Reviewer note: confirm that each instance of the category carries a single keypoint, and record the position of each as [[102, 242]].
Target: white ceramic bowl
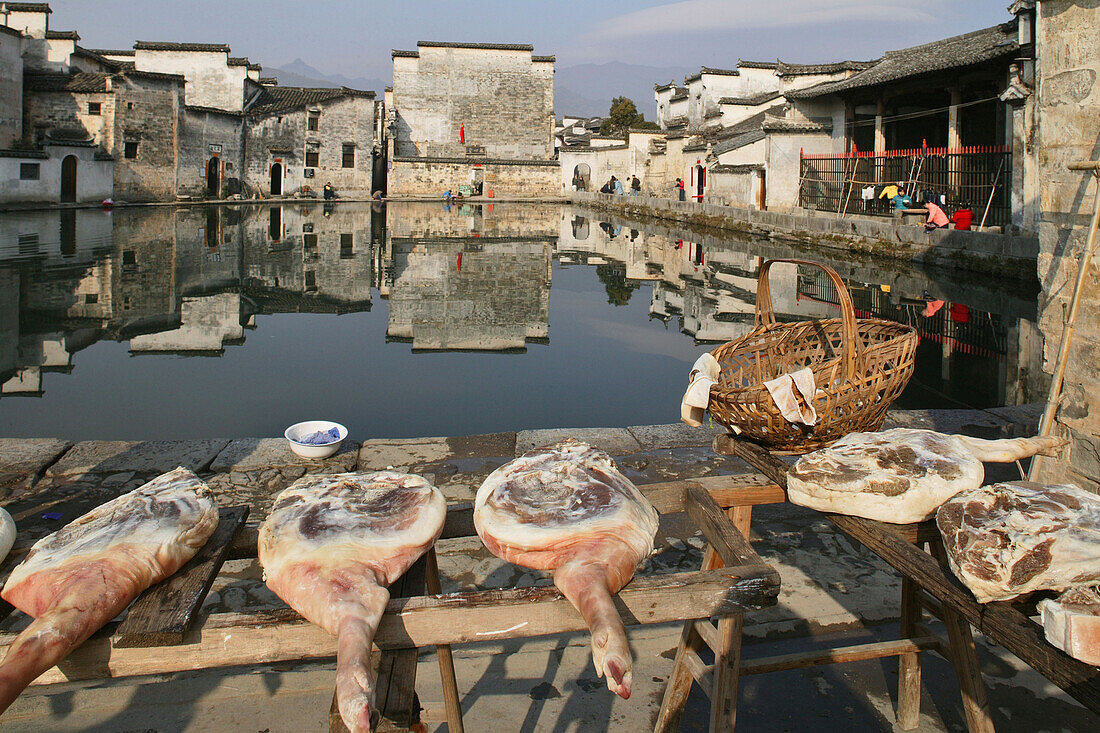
[[323, 450]]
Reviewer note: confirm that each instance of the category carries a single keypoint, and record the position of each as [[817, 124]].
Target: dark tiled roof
[[395, 53], [743, 64], [491, 46], [154, 75], [739, 141], [273, 100], [956, 52], [213, 110], [169, 46], [62, 36], [782, 124], [28, 7], [269, 80], [35, 154], [113, 51], [81, 82], [662, 87], [743, 168], [812, 69], [237, 61], [679, 94], [10, 31], [255, 67], [753, 101], [712, 70], [543, 59], [103, 155], [77, 50]]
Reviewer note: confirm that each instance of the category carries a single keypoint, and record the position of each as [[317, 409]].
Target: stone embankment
[[1005, 255], [828, 584]]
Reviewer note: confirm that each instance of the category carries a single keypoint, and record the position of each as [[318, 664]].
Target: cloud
[[693, 16]]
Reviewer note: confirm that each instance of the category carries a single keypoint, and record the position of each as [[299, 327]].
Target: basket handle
[[765, 312]]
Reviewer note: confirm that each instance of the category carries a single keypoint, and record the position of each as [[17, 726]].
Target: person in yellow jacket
[[891, 191]]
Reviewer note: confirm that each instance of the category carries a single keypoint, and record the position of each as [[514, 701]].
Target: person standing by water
[[618, 185], [680, 188], [578, 182], [635, 186]]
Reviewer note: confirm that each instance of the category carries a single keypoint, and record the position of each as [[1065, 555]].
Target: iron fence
[[980, 176]]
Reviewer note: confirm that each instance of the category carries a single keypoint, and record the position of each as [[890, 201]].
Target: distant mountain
[[300, 74], [584, 90]]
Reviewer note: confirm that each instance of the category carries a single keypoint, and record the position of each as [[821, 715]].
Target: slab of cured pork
[[1071, 622], [1004, 540], [900, 475], [77, 579], [568, 509], [331, 546]]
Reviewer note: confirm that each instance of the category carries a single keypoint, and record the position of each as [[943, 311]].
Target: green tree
[[619, 289], [623, 116]]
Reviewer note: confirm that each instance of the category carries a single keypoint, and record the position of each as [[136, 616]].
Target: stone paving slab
[[144, 458], [248, 454], [674, 435], [22, 460], [616, 441], [991, 424]]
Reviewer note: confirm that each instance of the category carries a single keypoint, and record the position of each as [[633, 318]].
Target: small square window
[[29, 171], [130, 149], [28, 244], [129, 105], [347, 246], [94, 108], [129, 257], [91, 298], [309, 241], [349, 155], [313, 156]]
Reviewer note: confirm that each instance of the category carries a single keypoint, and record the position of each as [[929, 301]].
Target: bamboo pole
[[1046, 423], [996, 178]]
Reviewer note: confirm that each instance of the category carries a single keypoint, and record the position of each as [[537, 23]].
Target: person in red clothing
[[963, 218]]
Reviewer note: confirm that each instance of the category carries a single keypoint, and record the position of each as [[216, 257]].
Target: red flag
[[462, 133]]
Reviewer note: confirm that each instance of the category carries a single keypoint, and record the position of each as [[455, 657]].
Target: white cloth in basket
[[794, 394], [704, 373]]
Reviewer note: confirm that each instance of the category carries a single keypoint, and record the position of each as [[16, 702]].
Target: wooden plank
[[679, 682], [838, 655], [443, 653], [706, 631], [720, 532], [727, 665], [700, 671], [909, 664], [998, 620], [754, 455], [395, 693], [164, 613], [230, 639]]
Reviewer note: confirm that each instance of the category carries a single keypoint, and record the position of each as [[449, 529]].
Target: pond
[[419, 319]]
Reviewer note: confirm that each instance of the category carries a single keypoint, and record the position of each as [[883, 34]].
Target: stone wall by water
[[1068, 34], [415, 177]]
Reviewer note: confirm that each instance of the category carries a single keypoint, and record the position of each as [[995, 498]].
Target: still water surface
[[417, 319]]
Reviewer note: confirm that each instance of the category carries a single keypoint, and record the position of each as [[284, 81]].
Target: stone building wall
[[205, 135], [94, 180], [64, 110], [146, 112], [505, 178], [211, 82], [416, 219], [500, 98], [1068, 34], [283, 138], [11, 88]]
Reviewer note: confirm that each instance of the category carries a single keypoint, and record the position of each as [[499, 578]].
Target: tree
[[623, 116], [619, 289]]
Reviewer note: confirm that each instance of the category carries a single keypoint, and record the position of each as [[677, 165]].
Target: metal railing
[[980, 176]]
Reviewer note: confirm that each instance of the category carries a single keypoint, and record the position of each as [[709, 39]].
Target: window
[[347, 246], [309, 241], [29, 171], [28, 244], [130, 149], [129, 105], [314, 118], [91, 298], [94, 108], [129, 257], [313, 155], [349, 155], [311, 281]]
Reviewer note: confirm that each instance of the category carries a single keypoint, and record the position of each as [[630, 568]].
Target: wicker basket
[[860, 367]]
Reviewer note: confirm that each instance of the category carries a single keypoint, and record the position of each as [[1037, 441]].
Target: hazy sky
[[354, 37]]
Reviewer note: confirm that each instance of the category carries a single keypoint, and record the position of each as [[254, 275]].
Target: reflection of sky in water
[[603, 365]]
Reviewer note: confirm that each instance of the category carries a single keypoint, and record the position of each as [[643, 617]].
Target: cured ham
[[7, 533], [1071, 622], [1004, 540], [568, 509], [900, 475], [331, 546], [77, 579]]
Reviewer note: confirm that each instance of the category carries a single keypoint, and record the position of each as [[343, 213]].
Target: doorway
[[213, 178], [68, 179], [276, 179], [700, 182]]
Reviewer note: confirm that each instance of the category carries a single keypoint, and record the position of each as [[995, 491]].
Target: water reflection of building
[[470, 277], [187, 280]]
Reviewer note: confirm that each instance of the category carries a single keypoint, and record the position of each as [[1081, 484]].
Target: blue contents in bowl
[[321, 437]]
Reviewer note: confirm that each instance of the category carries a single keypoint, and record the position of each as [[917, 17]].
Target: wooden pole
[[981, 227], [1046, 423]]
